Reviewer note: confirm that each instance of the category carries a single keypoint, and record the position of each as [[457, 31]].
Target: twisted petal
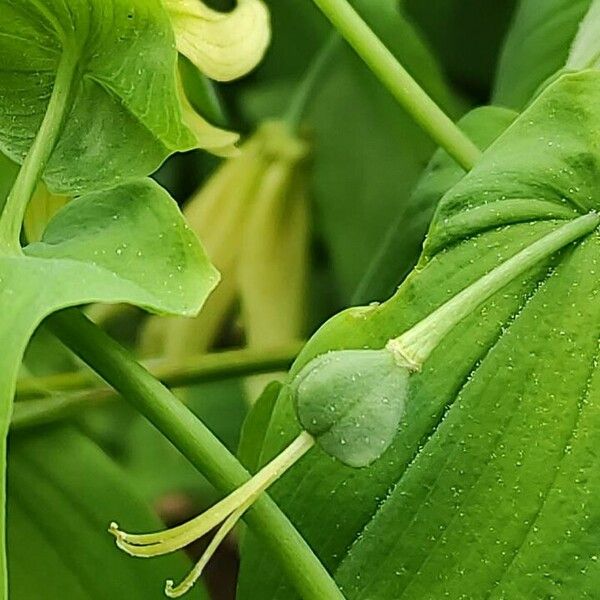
[[224, 46], [212, 139]]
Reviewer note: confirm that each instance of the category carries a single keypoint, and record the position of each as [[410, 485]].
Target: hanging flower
[[253, 218], [223, 46]]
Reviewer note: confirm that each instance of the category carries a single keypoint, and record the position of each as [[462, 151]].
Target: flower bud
[[351, 402]]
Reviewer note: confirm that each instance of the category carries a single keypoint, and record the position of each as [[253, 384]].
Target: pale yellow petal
[[217, 214], [223, 45], [273, 266], [41, 208], [219, 142]]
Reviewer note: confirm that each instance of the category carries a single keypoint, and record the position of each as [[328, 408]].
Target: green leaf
[[351, 402], [536, 47], [123, 117], [491, 488], [256, 425], [129, 244], [464, 40], [63, 494], [400, 249], [368, 152]]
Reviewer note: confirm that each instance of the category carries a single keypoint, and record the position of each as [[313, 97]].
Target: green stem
[[192, 370], [37, 158], [415, 346], [196, 442], [400, 83], [304, 91], [45, 411], [37, 408]]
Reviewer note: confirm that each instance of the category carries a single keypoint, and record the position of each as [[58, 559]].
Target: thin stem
[[415, 346], [306, 88], [192, 370], [196, 442], [400, 83], [37, 158], [46, 400], [47, 411]]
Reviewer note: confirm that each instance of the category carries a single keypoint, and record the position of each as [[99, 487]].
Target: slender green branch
[[399, 82], [192, 370], [37, 158], [50, 399], [45, 411], [196, 442]]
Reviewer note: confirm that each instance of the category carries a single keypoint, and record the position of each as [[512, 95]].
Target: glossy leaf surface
[[491, 488], [124, 116], [537, 46], [129, 244]]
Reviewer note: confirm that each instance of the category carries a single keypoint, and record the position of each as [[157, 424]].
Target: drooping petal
[[273, 266], [223, 45], [209, 137], [217, 213]]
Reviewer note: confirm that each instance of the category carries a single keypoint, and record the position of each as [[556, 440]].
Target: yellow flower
[[223, 46], [252, 216]]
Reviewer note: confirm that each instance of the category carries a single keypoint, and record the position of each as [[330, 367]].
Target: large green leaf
[[129, 244], [63, 493], [369, 153], [124, 115], [536, 47], [399, 251], [491, 489]]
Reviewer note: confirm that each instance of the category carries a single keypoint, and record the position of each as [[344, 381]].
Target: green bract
[[491, 486], [123, 116], [351, 402]]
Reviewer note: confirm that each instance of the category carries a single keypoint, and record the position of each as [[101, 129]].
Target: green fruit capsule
[[351, 402]]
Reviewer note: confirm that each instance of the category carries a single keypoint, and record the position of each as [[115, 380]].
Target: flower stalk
[[415, 346], [226, 513]]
